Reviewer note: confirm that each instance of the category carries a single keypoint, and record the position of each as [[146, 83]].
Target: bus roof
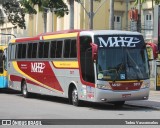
[[38, 37], [82, 32], [110, 32]]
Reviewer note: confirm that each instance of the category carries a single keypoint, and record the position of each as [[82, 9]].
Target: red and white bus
[[96, 66]]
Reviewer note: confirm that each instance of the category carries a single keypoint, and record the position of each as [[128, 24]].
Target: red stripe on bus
[[44, 75]]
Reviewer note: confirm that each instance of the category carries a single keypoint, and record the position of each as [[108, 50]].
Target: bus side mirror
[[94, 51]]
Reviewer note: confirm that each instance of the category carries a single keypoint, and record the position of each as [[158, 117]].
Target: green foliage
[[16, 14], [16, 10], [136, 1], [157, 1]]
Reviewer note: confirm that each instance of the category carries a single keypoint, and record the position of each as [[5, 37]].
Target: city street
[[14, 106]]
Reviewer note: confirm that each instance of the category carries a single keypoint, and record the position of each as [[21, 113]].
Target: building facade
[[36, 24]]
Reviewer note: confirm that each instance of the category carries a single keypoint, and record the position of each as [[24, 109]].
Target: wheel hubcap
[[74, 96], [24, 89]]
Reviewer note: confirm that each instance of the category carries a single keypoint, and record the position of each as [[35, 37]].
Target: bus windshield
[[120, 59]]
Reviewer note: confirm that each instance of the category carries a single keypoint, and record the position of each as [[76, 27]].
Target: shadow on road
[[8, 91], [96, 106]]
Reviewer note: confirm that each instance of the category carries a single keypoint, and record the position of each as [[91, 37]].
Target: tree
[[16, 10]]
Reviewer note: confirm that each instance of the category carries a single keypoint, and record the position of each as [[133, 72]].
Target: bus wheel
[[75, 100], [25, 92]]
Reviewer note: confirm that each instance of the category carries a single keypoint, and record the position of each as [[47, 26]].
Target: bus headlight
[[102, 86], [145, 85]]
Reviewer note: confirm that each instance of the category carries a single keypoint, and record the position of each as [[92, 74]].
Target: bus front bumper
[[111, 95]]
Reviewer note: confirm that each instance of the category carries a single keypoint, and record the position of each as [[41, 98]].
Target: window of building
[[117, 23], [148, 25]]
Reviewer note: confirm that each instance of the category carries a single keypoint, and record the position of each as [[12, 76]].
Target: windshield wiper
[[120, 67]]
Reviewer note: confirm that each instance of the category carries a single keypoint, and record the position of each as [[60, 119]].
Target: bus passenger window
[[67, 48], [29, 52], [46, 49], [24, 48], [73, 49], [21, 51], [59, 49], [19, 56], [70, 50], [53, 49], [34, 50], [40, 50]]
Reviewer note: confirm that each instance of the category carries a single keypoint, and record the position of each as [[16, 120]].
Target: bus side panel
[[2, 82]]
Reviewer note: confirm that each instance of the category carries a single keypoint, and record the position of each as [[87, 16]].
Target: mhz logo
[[37, 67]]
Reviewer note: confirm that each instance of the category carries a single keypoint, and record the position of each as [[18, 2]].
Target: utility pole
[[111, 19], [127, 1], [91, 14], [139, 16], [71, 14]]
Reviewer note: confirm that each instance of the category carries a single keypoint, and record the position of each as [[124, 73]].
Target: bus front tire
[[74, 96]]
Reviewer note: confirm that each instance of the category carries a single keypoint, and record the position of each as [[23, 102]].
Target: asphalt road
[[14, 106]]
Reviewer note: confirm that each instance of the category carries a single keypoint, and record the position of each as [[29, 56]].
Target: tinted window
[[56, 49], [43, 50], [40, 50], [24, 48], [59, 49], [70, 50], [53, 49], [73, 52], [67, 48], [21, 51], [32, 50], [86, 62]]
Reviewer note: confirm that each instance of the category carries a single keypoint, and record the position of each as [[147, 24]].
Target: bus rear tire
[[74, 97], [25, 92]]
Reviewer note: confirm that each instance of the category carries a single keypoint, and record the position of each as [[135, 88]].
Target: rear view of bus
[[3, 70], [121, 66]]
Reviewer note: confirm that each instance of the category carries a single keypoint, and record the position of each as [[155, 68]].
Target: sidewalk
[[152, 102]]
